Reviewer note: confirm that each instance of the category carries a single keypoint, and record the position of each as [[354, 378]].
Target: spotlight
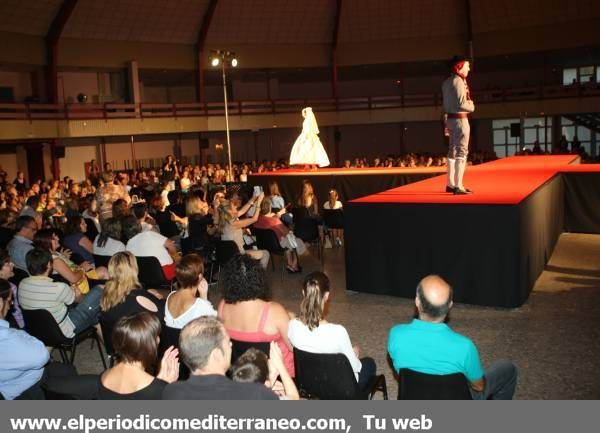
[[234, 62]]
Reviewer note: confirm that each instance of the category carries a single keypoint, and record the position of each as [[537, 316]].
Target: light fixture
[[224, 59]]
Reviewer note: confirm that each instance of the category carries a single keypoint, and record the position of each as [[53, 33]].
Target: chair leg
[[380, 385], [100, 349], [63, 355], [73, 349]]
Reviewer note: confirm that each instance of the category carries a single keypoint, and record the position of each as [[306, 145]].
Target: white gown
[[307, 148]]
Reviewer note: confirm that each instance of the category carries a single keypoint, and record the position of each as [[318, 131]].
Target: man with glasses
[[22, 242]]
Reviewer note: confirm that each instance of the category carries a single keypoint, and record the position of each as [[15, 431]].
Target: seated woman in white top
[[190, 301], [108, 242], [312, 333], [333, 203]]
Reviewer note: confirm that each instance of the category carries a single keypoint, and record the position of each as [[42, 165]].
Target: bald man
[[428, 345]]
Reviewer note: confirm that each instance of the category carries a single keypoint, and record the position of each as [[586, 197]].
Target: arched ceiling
[[259, 22]]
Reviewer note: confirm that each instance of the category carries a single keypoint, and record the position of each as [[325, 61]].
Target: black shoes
[[458, 191], [450, 188]]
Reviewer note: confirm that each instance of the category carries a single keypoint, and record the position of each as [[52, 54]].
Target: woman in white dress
[[308, 149]]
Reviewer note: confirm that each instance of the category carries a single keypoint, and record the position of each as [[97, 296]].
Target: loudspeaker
[[515, 129], [59, 152], [203, 143]]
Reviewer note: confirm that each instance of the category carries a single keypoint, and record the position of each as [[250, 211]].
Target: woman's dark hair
[[43, 238], [120, 208], [73, 224], [244, 279], [4, 290], [37, 261], [111, 228], [135, 338], [130, 226], [188, 270], [251, 367]]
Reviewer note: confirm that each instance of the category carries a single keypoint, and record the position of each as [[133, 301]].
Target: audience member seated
[[428, 345], [151, 244], [333, 203], [39, 292], [91, 210], [232, 228], [123, 294], [197, 222], [253, 366], [278, 203], [190, 300], [135, 341], [22, 242], [140, 211], [30, 209], [14, 315], [108, 242], [311, 332], [293, 245], [205, 348], [76, 240], [23, 356], [63, 268], [247, 311]]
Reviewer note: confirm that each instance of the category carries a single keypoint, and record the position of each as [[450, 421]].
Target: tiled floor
[[553, 338]]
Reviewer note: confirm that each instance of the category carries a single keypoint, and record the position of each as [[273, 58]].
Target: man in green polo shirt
[[428, 345]]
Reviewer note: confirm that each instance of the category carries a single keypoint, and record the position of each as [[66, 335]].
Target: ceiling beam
[[52, 37], [206, 21], [334, 45]]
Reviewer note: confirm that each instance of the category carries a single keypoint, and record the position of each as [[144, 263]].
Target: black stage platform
[[350, 184], [491, 254]]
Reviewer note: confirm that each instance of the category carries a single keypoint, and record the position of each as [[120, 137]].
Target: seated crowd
[[75, 250]]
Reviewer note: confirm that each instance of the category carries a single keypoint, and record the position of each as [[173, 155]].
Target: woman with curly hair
[[247, 310]]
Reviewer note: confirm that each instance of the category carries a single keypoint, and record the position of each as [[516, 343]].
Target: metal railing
[[76, 111]]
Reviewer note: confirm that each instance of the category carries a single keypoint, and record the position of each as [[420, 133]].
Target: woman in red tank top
[[247, 311]]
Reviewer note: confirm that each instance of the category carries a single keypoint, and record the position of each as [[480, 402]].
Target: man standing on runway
[[457, 105]]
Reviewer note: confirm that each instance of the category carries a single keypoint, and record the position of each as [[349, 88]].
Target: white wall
[[8, 162], [70, 84], [73, 163]]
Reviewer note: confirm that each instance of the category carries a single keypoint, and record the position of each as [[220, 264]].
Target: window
[[569, 76], [582, 74], [583, 134], [533, 129]]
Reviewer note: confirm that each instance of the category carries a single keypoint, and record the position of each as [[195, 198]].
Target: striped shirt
[[40, 292]]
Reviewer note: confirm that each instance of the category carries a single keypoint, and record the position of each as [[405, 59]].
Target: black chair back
[[334, 218], [170, 337], [266, 239], [238, 348], [150, 273], [306, 229], [225, 251], [421, 386], [41, 325], [299, 212], [101, 260], [327, 376]]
